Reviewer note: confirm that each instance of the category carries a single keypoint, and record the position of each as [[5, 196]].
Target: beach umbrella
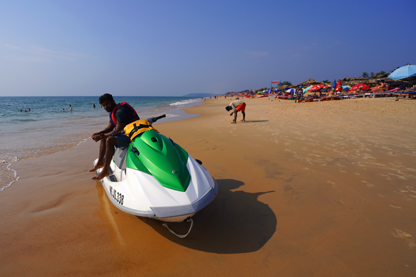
[[362, 86], [345, 87], [291, 90], [339, 86], [403, 72], [334, 84], [306, 89], [316, 87]]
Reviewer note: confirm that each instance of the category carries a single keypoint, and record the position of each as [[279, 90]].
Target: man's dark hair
[[106, 97], [228, 108]]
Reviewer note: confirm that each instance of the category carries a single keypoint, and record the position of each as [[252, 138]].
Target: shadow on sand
[[235, 222], [255, 121]]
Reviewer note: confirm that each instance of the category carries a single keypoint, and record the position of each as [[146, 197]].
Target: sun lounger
[[331, 97], [406, 95], [373, 94], [381, 93]]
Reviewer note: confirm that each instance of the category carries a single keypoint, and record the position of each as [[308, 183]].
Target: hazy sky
[[175, 47]]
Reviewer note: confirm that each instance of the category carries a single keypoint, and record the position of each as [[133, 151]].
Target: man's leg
[[235, 117], [244, 116], [100, 162], [109, 153]]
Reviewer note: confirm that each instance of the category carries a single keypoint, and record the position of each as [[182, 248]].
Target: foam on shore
[[70, 133]]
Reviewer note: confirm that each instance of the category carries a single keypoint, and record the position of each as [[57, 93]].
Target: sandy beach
[[309, 189]]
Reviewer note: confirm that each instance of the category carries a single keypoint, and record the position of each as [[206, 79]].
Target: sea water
[[31, 127]]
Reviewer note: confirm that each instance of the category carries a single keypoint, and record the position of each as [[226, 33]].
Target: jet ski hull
[[140, 194]]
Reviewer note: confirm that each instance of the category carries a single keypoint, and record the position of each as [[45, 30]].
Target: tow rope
[[180, 236]]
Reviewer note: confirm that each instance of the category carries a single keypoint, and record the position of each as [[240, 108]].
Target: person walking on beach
[[120, 115], [299, 94], [237, 106]]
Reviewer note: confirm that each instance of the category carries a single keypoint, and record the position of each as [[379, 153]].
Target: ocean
[[31, 127]]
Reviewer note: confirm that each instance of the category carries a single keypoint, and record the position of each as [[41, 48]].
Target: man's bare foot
[[103, 173], [97, 166], [233, 122], [242, 120]]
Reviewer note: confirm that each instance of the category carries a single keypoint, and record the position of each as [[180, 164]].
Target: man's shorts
[[123, 141], [241, 108]]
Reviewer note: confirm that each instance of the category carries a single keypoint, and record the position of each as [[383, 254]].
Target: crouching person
[[237, 106]]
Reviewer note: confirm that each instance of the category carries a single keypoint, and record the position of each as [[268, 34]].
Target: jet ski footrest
[[120, 157]]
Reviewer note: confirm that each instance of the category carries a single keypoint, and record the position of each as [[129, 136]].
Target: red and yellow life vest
[[112, 114]]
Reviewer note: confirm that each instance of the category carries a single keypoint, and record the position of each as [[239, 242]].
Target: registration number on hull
[[117, 196]]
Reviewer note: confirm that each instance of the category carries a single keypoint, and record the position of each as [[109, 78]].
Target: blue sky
[[172, 48]]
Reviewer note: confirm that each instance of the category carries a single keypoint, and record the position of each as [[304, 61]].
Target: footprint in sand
[[406, 236], [386, 176], [367, 184], [398, 176], [410, 188], [332, 183]]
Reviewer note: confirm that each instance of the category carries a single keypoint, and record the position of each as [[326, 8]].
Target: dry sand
[[310, 189]]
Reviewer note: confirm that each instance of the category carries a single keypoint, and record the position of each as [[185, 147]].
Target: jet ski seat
[[120, 157]]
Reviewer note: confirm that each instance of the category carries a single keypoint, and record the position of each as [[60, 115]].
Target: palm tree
[[286, 83], [365, 75], [379, 73]]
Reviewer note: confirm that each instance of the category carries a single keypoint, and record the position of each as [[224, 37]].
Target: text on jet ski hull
[[117, 196]]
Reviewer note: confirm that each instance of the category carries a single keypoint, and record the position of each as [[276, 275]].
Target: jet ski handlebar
[[156, 118], [151, 120]]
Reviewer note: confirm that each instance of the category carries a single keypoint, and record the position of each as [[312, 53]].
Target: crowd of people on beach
[[324, 92]]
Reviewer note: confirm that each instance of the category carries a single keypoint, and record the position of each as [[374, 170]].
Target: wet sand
[[309, 189]]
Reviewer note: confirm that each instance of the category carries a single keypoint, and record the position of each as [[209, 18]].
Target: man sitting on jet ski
[[120, 115]]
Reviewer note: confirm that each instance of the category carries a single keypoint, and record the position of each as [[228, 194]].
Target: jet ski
[[156, 178]]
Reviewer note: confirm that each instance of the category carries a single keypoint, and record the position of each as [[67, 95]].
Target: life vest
[[112, 114], [138, 127]]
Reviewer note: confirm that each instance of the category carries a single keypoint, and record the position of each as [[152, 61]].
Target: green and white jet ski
[[155, 177]]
